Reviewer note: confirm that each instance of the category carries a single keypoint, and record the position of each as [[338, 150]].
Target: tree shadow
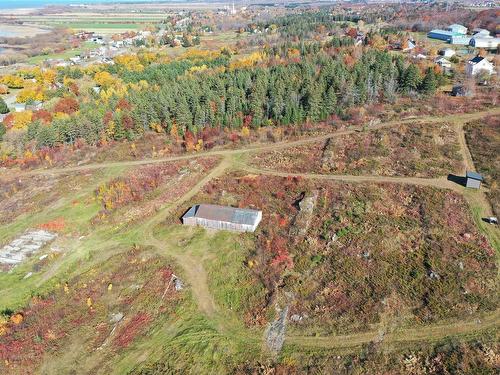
[[460, 180]]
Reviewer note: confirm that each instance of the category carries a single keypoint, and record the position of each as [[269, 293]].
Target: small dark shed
[[473, 180], [460, 90]]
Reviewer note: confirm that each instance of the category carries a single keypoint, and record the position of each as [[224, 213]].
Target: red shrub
[[131, 330], [123, 104], [8, 121], [42, 115], [67, 105]]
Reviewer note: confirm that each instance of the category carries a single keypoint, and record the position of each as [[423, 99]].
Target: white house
[[443, 63], [411, 45], [459, 29], [448, 52], [478, 64], [487, 42]]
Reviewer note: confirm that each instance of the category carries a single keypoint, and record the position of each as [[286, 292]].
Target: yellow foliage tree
[[33, 92], [129, 62], [104, 79], [21, 119], [49, 76], [12, 81], [248, 61], [156, 127], [245, 132], [199, 145]]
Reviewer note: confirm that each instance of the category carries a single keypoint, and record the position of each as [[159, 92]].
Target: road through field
[[197, 277], [456, 118]]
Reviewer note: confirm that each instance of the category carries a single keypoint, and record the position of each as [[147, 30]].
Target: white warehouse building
[[222, 217]]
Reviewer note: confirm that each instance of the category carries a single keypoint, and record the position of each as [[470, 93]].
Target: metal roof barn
[[222, 217]]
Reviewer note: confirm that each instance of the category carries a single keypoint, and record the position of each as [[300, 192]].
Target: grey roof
[[474, 176], [442, 32], [223, 213]]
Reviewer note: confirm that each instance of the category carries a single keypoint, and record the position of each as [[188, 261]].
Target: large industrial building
[[454, 34], [222, 217]]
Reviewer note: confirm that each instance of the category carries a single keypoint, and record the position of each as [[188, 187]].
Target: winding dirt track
[[459, 119], [441, 182], [197, 277]]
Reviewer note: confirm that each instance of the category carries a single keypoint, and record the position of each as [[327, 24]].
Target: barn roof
[[474, 176], [224, 213]]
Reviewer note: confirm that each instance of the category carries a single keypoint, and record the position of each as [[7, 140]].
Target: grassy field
[[63, 55], [380, 269]]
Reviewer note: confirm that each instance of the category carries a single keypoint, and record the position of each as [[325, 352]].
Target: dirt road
[[197, 278], [441, 182], [456, 118], [194, 272]]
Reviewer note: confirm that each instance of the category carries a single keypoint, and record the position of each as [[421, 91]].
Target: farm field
[[63, 55]]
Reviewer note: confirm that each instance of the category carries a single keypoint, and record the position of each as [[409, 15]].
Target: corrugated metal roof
[[443, 32], [224, 213], [474, 175]]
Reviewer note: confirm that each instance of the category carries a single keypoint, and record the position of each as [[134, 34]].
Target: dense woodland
[[310, 87]]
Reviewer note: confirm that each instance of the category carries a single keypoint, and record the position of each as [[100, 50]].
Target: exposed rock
[[24, 246], [275, 334], [115, 318], [303, 218]]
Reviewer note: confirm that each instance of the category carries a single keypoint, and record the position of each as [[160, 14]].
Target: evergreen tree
[[3, 107], [429, 83], [411, 78]]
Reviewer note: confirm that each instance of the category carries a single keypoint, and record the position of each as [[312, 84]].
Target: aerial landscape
[[249, 187]]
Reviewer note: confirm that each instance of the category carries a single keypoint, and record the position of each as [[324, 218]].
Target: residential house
[[34, 105], [19, 107], [411, 45], [458, 29], [443, 63], [477, 65], [447, 52]]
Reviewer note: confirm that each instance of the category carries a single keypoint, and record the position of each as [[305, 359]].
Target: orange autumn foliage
[[56, 225]]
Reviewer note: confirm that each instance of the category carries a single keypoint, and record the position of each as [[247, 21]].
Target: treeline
[[310, 89], [304, 25]]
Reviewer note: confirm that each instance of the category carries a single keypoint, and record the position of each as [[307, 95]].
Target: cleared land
[[411, 252], [483, 139], [232, 281], [420, 150]]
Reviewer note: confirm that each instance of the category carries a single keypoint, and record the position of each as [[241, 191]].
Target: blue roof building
[[454, 34]]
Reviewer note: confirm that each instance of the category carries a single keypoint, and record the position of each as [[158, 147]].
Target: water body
[[6, 33], [19, 4]]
